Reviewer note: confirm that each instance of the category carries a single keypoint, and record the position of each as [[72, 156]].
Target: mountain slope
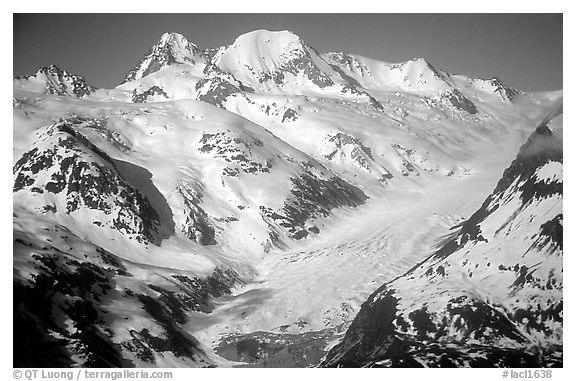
[[54, 80], [268, 60], [263, 76], [491, 295], [171, 49], [76, 304], [235, 206], [66, 174]]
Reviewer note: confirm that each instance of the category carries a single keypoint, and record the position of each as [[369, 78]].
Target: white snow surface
[[443, 164]]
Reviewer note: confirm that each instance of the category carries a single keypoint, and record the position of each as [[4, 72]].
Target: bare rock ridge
[[67, 167], [54, 80], [62, 314], [172, 48]]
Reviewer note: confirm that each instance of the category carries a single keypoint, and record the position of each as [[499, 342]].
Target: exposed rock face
[[64, 306], [419, 74], [347, 150], [458, 100], [505, 92], [197, 226], [312, 197], [235, 150], [491, 296], [68, 173], [520, 179], [58, 81], [290, 115], [143, 97], [341, 59], [285, 57], [359, 152], [172, 48], [314, 192], [301, 61], [495, 86], [216, 90]]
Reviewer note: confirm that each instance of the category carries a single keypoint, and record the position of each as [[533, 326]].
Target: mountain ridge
[[54, 80], [414, 339], [238, 206]]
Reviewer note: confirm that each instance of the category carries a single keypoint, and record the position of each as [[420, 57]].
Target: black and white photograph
[[287, 190]]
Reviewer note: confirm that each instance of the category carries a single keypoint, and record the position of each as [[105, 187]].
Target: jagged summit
[[500, 88], [50, 69], [171, 37], [282, 62], [54, 80], [419, 72], [43, 70], [178, 45], [492, 86], [172, 48]]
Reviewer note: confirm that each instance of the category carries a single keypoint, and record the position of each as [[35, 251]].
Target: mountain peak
[[171, 48], [281, 37], [421, 64], [494, 85], [51, 69], [266, 59], [265, 44], [176, 41], [55, 80]]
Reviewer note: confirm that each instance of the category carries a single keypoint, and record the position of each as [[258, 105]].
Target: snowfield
[[263, 204]]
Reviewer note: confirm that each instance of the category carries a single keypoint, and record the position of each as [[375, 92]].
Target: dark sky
[[524, 50]]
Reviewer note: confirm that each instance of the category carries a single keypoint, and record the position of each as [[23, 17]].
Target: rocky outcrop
[[64, 172], [459, 101], [197, 226], [312, 197], [65, 314], [171, 49], [143, 96], [216, 90], [57, 81]]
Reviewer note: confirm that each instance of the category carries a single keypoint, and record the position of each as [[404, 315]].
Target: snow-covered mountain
[[171, 49], [491, 295], [238, 204], [54, 80], [64, 170]]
